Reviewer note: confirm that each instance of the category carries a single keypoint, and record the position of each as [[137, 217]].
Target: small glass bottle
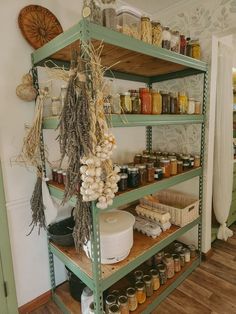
[[191, 162], [188, 47], [156, 102], [136, 102], [137, 159], [146, 29], [175, 41], [114, 309], [191, 106], [182, 258], [148, 285], [142, 174], [132, 299], [173, 103], [196, 49], [183, 102], [165, 165], [64, 177], [166, 38], [180, 166], [177, 265], [146, 101], [197, 107], [110, 299], [182, 45], [165, 102], [169, 262], [150, 172], [197, 161], [162, 273], [155, 278], [156, 34], [123, 182], [123, 168], [133, 177], [140, 292], [173, 166], [125, 102], [123, 304]]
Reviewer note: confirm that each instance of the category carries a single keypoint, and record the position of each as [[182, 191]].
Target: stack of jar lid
[[147, 168], [150, 101], [162, 266]]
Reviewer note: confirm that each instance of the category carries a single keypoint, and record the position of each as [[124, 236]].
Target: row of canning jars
[[149, 101]]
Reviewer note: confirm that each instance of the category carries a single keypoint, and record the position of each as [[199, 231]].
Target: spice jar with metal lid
[[146, 29], [123, 304], [173, 166], [148, 285], [156, 34], [145, 158], [173, 103], [187, 255], [114, 309], [196, 49], [192, 249], [142, 174], [109, 14], [191, 106], [197, 107], [110, 299], [156, 102], [166, 38], [188, 47], [182, 258], [182, 45], [165, 102], [146, 101], [177, 265], [140, 292], [125, 102], [155, 279], [197, 161], [150, 172], [169, 262], [162, 273], [186, 163], [137, 158], [191, 162], [175, 41], [132, 299], [183, 102], [153, 159], [158, 258], [133, 177], [158, 174], [138, 275], [123, 182], [165, 165], [136, 103]]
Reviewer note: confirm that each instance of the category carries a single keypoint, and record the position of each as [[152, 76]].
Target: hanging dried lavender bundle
[[37, 207]]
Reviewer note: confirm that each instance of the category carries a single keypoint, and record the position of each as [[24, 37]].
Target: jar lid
[[164, 92], [138, 155], [196, 156], [179, 162], [175, 257], [142, 167], [115, 221], [123, 175], [182, 93], [64, 173], [139, 285], [54, 169], [168, 256], [132, 169], [158, 169], [130, 292], [191, 158], [110, 299], [125, 94], [147, 278], [161, 268], [59, 171], [165, 161], [173, 159], [154, 272], [114, 308], [122, 299], [124, 167], [185, 157]]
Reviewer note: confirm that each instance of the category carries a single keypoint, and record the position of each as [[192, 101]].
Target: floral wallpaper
[[200, 20]]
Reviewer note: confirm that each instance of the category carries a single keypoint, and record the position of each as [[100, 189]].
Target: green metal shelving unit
[[155, 65]]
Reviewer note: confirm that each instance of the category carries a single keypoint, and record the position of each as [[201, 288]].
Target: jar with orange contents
[[146, 101]]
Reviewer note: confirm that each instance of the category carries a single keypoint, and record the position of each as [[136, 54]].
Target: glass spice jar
[[158, 258], [64, 177], [146, 101], [197, 161], [197, 107], [153, 159], [165, 102], [187, 255], [182, 45], [191, 106], [177, 265], [169, 262], [173, 166], [183, 102], [192, 249], [191, 162], [110, 299], [138, 275], [114, 309], [165, 165], [175, 41], [132, 299], [124, 169], [140, 292], [125, 102], [166, 38], [54, 175], [155, 279], [136, 103], [137, 158], [156, 34], [145, 158], [148, 285], [182, 258], [158, 174], [142, 174], [133, 177], [156, 102], [109, 14], [188, 47], [196, 49], [186, 164], [146, 30], [123, 304], [180, 166], [59, 177], [162, 273], [173, 103], [123, 182], [150, 172]]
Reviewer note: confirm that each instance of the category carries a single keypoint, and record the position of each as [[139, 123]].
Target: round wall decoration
[[38, 25]]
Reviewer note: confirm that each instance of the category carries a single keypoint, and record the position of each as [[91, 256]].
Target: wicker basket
[[183, 208]]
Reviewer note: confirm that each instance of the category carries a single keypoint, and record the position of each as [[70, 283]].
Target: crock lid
[[115, 221]]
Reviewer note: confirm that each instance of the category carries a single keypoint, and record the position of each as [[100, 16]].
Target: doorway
[[8, 300]]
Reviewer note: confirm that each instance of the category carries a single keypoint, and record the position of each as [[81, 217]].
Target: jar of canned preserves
[[142, 174], [155, 278], [169, 262], [177, 265], [165, 102], [158, 174], [153, 159], [156, 102], [183, 102], [123, 182], [125, 102], [187, 255], [59, 177], [145, 158], [124, 169], [54, 175], [196, 49], [156, 34], [136, 102], [146, 29], [173, 166], [191, 162], [150, 172], [132, 299], [186, 164], [174, 103], [197, 107], [137, 158], [64, 176], [175, 41], [165, 165], [182, 258], [188, 47], [197, 161], [166, 38], [148, 285], [182, 45], [140, 292], [146, 101], [133, 177]]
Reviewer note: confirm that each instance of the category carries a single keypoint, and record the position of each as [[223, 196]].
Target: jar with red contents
[[146, 101], [183, 45]]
